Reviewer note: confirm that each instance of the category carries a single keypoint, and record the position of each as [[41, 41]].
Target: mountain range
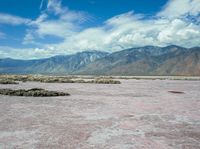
[[148, 60]]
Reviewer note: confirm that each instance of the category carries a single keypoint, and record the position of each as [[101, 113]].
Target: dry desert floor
[[136, 114]]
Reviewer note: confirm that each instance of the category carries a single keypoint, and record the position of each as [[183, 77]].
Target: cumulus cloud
[[180, 8], [174, 24], [12, 19], [130, 30], [170, 26]]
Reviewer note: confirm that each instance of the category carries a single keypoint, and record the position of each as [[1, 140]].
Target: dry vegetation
[[12, 79], [105, 81], [158, 77], [56, 79], [7, 81], [35, 92]]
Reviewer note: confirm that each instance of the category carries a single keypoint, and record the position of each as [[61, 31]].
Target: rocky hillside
[[54, 65], [171, 60], [148, 60]]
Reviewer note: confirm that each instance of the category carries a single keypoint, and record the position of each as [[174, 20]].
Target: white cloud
[[56, 28], [41, 4], [169, 26], [29, 38], [13, 20], [181, 33], [26, 53], [55, 7], [64, 23], [128, 30], [180, 8]]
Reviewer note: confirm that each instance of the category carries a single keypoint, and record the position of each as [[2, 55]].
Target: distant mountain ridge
[[148, 60], [54, 65]]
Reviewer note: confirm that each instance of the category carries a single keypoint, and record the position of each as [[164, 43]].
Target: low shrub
[[34, 92], [7, 81], [55, 79], [105, 81]]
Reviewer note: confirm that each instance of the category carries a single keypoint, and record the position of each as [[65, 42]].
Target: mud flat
[[136, 114]]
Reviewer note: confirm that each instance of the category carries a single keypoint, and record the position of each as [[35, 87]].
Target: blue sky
[[31, 29]]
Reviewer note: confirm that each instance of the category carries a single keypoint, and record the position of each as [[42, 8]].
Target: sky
[[33, 29]]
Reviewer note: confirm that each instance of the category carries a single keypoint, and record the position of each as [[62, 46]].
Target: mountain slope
[[148, 60], [53, 65], [186, 63], [171, 60]]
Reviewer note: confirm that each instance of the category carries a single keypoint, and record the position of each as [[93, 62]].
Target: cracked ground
[[136, 114]]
